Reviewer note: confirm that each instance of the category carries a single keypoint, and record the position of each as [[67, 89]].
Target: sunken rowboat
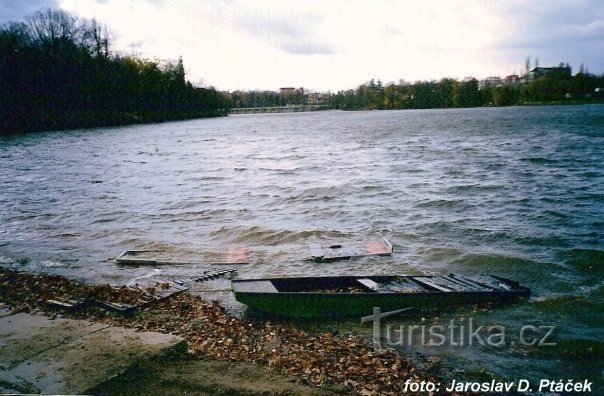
[[357, 295]]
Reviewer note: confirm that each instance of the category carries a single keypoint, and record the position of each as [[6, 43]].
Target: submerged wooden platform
[[232, 256], [322, 251]]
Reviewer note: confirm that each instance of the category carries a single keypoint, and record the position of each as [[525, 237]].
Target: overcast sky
[[333, 45]]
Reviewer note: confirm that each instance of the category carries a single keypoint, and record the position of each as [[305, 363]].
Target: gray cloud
[[17, 10], [556, 31], [306, 48], [291, 33]]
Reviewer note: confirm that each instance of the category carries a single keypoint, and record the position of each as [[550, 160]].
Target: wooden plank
[[426, 281], [128, 257], [369, 283], [459, 282], [116, 306], [133, 261], [235, 255], [491, 282], [406, 287], [264, 286], [447, 285], [473, 282], [65, 302], [446, 282]]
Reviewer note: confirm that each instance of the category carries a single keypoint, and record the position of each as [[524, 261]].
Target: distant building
[[291, 91], [291, 95], [287, 90], [490, 82], [512, 79], [562, 71], [316, 98]]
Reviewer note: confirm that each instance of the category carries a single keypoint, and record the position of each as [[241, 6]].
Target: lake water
[[517, 192]]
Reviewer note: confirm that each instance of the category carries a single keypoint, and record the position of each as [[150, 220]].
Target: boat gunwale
[[517, 289]]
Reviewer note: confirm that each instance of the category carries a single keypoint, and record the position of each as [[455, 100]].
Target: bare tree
[[48, 25], [96, 38]]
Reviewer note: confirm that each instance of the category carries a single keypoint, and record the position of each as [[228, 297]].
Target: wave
[[10, 261], [548, 241], [262, 236], [587, 309], [444, 204], [539, 160], [588, 261], [581, 350], [466, 188], [553, 213], [531, 272]]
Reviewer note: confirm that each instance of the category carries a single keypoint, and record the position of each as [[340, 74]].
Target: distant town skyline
[[329, 46]]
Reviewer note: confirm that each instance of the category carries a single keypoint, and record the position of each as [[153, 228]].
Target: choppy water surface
[[517, 192]]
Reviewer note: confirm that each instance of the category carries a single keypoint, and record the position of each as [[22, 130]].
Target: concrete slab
[[5, 311], [63, 356], [23, 336]]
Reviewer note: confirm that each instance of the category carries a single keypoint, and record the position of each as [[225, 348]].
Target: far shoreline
[[227, 113]]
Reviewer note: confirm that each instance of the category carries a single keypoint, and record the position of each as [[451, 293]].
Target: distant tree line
[[244, 99], [547, 88], [58, 72], [555, 86]]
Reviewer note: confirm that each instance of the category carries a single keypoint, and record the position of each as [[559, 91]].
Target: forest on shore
[[556, 86], [59, 72]]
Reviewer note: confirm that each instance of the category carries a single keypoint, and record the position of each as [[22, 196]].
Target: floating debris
[[160, 290], [322, 252], [234, 256]]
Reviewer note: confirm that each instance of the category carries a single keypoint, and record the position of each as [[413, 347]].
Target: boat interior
[[390, 284]]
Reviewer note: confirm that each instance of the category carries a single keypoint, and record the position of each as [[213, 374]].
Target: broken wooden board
[[152, 291], [159, 290], [65, 303], [117, 306], [324, 251]]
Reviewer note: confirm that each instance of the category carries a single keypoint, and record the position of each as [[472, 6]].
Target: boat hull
[[309, 304]]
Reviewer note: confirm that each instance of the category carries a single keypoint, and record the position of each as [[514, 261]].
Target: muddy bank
[[315, 359]]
